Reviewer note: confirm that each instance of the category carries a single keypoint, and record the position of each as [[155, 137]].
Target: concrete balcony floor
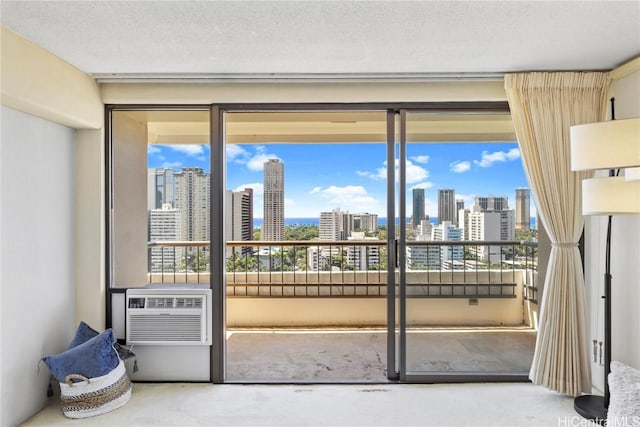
[[359, 355]]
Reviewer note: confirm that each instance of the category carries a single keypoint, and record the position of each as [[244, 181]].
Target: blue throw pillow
[[86, 332], [83, 334], [93, 358]]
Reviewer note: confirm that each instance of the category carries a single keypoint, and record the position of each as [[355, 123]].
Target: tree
[[195, 262], [381, 234], [526, 236], [240, 263], [301, 232]]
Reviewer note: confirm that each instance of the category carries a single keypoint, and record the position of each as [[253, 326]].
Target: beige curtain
[[543, 107]]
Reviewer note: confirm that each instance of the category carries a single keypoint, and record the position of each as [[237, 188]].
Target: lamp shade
[[632, 174], [606, 145], [610, 196]]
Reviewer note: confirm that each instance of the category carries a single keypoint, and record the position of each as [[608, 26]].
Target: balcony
[[298, 300], [354, 274]]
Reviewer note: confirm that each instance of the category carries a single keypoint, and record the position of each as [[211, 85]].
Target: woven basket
[[95, 396]]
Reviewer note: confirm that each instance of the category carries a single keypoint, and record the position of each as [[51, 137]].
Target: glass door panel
[[305, 246], [461, 275]]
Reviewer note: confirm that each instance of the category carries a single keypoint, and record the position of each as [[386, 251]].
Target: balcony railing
[[435, 269]]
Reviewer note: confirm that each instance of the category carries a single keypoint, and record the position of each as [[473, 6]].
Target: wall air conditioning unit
[[168, 316]]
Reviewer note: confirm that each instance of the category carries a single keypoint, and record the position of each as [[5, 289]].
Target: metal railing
[[354, 268], [174, 261]]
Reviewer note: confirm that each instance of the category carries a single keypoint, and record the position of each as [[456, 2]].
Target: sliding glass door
[[305, 244], [461, 272]]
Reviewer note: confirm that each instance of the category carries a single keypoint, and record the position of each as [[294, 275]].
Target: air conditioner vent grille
[[159, 302], [184, 302], [168, 317], [162, 327]]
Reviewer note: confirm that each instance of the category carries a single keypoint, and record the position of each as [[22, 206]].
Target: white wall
[[625, 253], [37, 221], [38, 83]]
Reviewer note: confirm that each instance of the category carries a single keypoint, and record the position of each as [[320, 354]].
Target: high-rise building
[[423, 257], [491, 203], [193, 199], [425, 229], [450, 256], [165, 224], [418, 207], [362, 257], [499, 205], [446, 205], [338, 225], [459, 207], [491, 226], [464, 222], [334, 225], [273, 206], [239, 218], [523, 197], [491, 220], [364, 221], [160, 188]]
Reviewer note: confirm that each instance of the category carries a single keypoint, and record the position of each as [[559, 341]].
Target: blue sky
[[321, 177]]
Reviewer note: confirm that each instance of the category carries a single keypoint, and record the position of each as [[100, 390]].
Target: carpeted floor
[[397, 405]]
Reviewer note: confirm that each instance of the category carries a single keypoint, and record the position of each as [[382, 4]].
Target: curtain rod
[[293, 77]]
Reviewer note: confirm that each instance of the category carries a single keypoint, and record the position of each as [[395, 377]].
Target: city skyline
[[322, 177]]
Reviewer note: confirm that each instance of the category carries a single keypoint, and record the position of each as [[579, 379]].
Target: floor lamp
[[611, 145]]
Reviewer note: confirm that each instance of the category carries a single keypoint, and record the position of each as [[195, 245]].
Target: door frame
[[396, 359], [404, 375], [396, 366]]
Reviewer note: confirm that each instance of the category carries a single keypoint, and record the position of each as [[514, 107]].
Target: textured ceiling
[[329, 37]]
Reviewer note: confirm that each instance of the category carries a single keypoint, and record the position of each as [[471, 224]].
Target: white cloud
[[315, 190], [377, 175], [236, 153], [153, 149], [188, 149], [488, 159], [366, 174], [459, 166], [415, 173], [354, 198], [420, 159], [346, 191], [256, 163]]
